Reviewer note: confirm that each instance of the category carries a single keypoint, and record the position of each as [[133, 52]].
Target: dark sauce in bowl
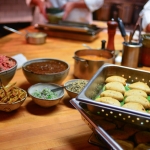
[[47, 67]]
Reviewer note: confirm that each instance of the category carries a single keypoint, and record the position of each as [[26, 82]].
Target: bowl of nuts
[[75, 86]]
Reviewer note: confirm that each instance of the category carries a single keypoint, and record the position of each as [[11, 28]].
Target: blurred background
[[16, 14]]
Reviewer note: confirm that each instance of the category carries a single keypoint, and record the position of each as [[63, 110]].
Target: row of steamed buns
[[135, 98]]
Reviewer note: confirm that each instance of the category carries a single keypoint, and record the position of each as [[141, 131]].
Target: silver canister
[[130, 54]]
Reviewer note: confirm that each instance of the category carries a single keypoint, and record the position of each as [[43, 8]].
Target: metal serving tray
[[107, 141], [71, 30], [84, 28], [96, 84], [103, 139]]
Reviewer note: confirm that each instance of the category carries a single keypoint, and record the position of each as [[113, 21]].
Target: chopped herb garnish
[[46, 93]]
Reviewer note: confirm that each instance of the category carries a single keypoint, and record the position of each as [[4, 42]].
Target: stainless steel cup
[[130, 54]]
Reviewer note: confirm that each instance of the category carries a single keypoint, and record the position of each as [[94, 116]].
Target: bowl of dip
[[42, 95], [87, 62], [45, 70]]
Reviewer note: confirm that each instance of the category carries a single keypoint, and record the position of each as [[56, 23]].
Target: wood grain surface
[[32, 127]]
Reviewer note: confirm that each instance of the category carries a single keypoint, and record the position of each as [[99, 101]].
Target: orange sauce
[[93, 57]]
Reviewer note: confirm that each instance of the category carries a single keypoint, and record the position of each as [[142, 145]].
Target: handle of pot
[[85, 62], [79, 59]]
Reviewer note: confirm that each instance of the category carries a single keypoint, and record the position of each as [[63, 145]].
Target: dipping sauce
[[46, 93], [47, 67], [93, 57]]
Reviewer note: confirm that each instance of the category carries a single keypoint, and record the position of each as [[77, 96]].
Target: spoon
[[62, 87]]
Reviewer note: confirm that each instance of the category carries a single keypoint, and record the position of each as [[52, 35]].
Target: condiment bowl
[[75, 86], [9, 105], [48, 98], [45, 70], [8, 67]]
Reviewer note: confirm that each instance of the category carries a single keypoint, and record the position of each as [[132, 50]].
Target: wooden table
[[32, 127]]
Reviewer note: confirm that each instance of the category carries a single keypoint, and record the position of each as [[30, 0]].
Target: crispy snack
[[116, 79], [2, 93], [135, 92], [138, 99], [113, 94], [115, 86], [141, 86], [134, 106], [108, 100], [10, 94]]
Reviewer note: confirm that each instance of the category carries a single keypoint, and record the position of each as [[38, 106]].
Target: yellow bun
[[113, 94], [108, 100], [134, 106], [138, 99], [135, 92], [116, 79], [115, 86], [141, 86]]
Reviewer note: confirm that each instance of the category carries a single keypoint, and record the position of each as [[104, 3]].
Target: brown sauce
[[93, 57], [47, 67]]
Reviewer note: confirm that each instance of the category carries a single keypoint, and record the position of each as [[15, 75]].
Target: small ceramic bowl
[[8, 107], [7, 75], [45, 70], [45, 101], [75, 86]]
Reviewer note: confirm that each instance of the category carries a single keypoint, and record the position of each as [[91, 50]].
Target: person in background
[[74, 10], [145, 13]]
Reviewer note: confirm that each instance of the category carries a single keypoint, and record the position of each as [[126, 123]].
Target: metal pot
[[31, 38], [85, 69], [36, 38]]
